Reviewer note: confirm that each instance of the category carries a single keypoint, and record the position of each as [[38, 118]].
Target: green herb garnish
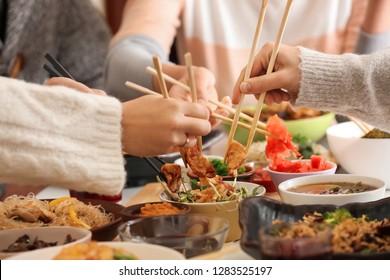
[[222, 168]]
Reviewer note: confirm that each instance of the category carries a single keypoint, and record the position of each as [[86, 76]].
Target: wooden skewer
[[247, 74], [270, 68], [215, 102], [188, 61]]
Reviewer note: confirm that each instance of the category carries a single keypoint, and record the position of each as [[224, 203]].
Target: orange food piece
[[157, 209], [280, 152]]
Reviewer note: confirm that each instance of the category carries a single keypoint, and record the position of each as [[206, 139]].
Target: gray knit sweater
[[72, 31], [349, 84], [58, 136]]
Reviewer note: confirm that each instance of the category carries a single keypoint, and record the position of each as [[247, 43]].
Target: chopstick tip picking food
[[270, 68], [248, 69], [191, 76]]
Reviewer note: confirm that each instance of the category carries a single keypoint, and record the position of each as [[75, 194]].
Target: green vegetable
[[367, 251], [336, 217], [222, 168], [121, 256], [187, 196], [305, 145], [194, 184]]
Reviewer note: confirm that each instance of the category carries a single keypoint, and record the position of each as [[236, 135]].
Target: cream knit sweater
[[59, 136], [349, 84]]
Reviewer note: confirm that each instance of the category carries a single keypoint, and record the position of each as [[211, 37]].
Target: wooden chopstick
[[161, 81], [229, 120], [188, 62], [215, 102], [362, 125], [247, 74], [270, 68], [164, 91], [141, 89]]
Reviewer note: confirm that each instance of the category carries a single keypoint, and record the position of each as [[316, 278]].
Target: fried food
[[172, 173], [93, 251], [28, 211], [201, 166], [235, 157]]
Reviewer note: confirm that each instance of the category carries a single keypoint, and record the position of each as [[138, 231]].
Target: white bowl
[[47, 234], [279, 177], [370, 157], [335, 199], [142, 251], [224, 209]]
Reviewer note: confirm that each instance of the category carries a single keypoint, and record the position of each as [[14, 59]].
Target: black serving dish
[[258, 212]]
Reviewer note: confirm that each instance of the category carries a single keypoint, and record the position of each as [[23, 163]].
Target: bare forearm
[[377, 18]]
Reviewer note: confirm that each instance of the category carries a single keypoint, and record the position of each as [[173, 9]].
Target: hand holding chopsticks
[[147, 91], [271, 65], [247, 74]]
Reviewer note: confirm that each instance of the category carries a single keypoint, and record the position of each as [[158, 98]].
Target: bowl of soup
[[336, 189]]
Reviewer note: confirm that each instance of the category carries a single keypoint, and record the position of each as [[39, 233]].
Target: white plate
[[142, 251]]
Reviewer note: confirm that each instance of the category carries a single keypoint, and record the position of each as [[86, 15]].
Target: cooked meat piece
[[172, 173], [29, 211], [235, 157], [201, 166]]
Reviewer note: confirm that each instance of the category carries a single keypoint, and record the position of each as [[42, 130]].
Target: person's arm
[[349, 84], [375, 31], [148, 28], [59, 136]]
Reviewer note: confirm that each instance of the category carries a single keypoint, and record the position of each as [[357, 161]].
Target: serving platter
[[142, 251], [257, 212]]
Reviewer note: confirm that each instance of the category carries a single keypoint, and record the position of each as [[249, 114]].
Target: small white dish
[[47, 234]]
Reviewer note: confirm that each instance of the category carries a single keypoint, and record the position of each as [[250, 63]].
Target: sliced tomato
[[281, 151], [316, 161], [281, 146]]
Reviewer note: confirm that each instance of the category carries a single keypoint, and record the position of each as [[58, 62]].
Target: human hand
[[204, 85], [153, 125], [281, 85], [61, 81]]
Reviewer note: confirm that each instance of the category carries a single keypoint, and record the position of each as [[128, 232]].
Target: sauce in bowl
[[333, 188]]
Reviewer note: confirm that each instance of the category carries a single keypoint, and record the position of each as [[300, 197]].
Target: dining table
[[149, 193]]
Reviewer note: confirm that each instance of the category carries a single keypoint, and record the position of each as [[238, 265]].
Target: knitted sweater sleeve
[[347, 84], [58, 136]]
